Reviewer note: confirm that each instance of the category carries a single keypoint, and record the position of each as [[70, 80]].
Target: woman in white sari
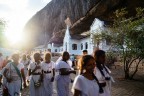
[[25, 62], [48, 75], [86, 84], [35, 71], [14, 73], [63, 78], [102, 72]]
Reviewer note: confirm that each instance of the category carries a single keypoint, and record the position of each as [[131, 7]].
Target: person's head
[[15, 57], [85, 52], [99, 56], [37, 57], [65, 56], [0, 54], [87, 64], [7, 57], [24, 57], [47, 57], [28, 57]]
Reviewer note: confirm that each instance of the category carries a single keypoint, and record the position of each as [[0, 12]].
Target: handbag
[[36, 84]]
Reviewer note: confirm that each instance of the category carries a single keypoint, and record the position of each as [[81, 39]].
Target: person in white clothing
[[102, 72], [14, 73], [60, 59], [48, 75], [86, 84], [25, 62], [29, 58], [63, 78], [35, 71]]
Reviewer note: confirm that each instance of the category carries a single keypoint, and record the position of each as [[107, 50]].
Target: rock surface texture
[[48, 23]]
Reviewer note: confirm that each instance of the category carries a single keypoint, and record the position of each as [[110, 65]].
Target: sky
[[16, 13]]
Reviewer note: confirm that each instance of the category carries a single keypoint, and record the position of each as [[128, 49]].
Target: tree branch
[[132, 61], [131, 77]]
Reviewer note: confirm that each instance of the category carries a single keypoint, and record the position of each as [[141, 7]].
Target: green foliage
[[97, 37], [2, 36], [127, 34]]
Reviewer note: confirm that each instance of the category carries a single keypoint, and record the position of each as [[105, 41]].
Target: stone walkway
[[121, 87], [127, 87]]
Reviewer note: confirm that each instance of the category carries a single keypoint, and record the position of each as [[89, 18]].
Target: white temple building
[[85, 41]]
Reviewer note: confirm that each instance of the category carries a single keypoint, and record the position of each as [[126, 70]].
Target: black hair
[[97, 54], [85, 51], [36, 55], [84, 60], [65, 53]]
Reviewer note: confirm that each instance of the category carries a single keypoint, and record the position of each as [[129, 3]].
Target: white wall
[[83, 41], [53, 47], [97, 27], [76, 52], [79, 42]]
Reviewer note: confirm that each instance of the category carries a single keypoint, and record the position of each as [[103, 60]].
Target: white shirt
[[60, 59], [101, 78], [25, 63], [48, 67], [61, 65], [86, 86], [32, 67], [12, 73]]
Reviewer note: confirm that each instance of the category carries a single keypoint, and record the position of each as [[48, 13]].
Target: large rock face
[[49, 22]]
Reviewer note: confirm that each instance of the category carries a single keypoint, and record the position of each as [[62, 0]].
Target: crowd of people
[[92, 79]]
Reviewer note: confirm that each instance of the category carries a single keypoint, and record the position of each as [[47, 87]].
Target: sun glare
[[16, 17], [14, 36], [14, 33]]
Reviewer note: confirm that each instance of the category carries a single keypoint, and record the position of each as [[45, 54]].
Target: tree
[[96, 37], [127, 34], [3, 40], [2, 25]]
